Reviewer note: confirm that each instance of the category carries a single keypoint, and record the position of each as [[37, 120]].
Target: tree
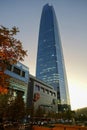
[[4, 83], [3, 103], [16, 109], [11, 51]]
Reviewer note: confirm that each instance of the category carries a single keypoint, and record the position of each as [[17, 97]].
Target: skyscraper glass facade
[[50, 62]]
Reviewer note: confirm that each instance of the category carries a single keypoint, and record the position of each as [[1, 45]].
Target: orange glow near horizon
[[78, 95]]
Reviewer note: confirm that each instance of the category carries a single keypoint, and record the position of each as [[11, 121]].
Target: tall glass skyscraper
[[50, 62]]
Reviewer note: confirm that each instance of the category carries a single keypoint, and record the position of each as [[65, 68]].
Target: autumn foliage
[[4, 83], [11, 51]]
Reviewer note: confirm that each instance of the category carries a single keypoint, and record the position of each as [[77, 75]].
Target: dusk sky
[[72, 21]]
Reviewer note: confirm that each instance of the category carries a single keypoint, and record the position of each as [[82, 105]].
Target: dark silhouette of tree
[[16, 109], [3, 103]]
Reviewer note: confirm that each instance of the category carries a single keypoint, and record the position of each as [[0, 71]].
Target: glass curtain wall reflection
[[50, 62]]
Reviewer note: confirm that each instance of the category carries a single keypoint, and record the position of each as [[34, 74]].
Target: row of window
[[44, 90], [16, 70]]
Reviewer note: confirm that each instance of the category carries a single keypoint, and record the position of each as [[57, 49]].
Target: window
[[16, 70], [9, 67], [47, 91], [50, 93], [42, 89], [55, 94], [37, 88], [23, 74]]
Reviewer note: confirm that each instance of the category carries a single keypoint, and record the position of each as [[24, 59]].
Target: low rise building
[[35, 92], [41, 95], [19, 78]]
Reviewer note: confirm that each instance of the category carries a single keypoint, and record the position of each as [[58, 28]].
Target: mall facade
[[35, 93]]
